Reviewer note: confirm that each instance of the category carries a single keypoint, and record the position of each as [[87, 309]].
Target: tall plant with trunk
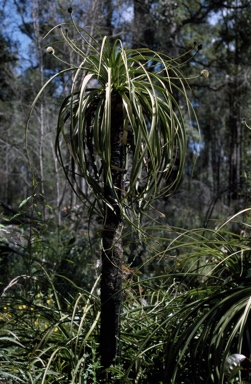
[[126, 135]]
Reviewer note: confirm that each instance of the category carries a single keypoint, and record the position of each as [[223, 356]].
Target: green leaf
[[24, 202]]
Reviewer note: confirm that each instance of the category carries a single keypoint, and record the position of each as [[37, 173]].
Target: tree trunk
[[143, 31], [235, 153], [36, 26], [112, 253]]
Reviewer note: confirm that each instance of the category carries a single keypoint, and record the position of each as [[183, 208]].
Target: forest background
[[216, 174], [34, 194]]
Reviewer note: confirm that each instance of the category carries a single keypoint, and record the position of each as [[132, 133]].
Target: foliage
[[179, 325], [43, 313], [43, 344], [140, 85]]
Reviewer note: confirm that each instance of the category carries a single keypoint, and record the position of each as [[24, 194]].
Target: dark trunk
[[111, 283], [235, 155], [108, 12], [143, 31]]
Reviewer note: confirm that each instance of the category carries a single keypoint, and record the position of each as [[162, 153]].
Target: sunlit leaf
[[24, 202], [232, 365]]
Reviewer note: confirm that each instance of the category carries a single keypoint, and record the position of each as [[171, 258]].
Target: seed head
[[50, 50], [204, 73]]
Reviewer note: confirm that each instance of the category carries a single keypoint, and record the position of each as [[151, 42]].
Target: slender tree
[[124, 131]]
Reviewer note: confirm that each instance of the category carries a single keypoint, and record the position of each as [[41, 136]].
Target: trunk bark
[[112, 253]]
